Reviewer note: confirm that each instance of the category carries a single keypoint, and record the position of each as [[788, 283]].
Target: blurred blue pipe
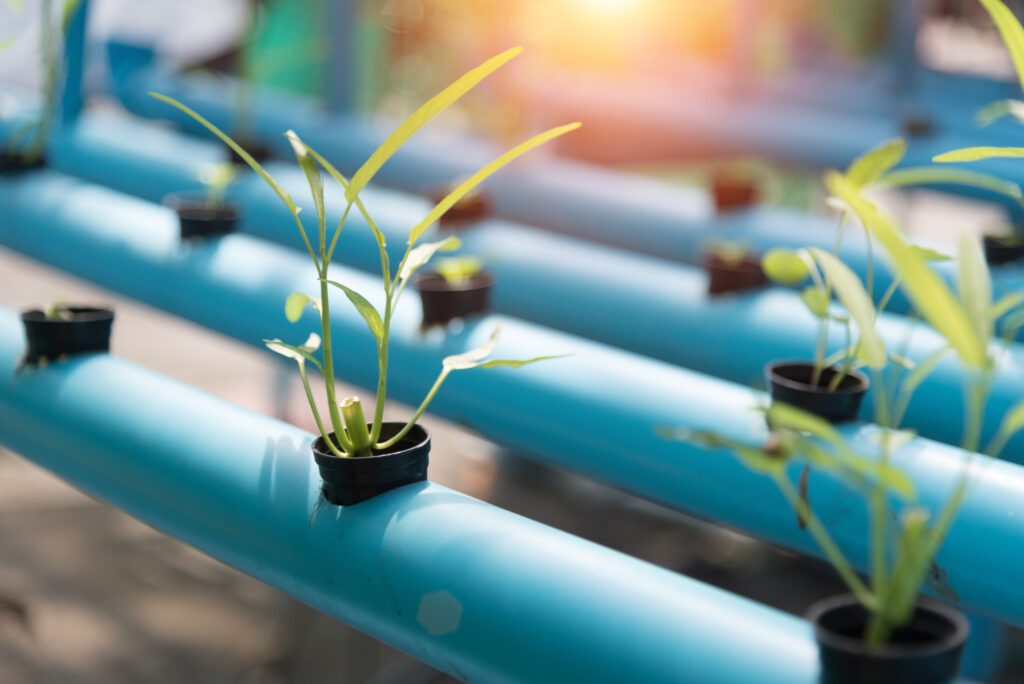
[[644, 305], [432, 572], [72, 94], [596, 412]]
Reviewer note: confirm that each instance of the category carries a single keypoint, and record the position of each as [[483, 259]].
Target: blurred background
[[88, 595]]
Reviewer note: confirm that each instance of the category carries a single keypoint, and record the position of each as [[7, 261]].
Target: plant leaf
[[365, 309], [816, 300], [938, 175], [482, 174], [299, 354], [1013, 421], [419, 256], [786, 417], [519, 363], [926, 290], [473, 357], [929, 254], [857, 303], [874, 163], [975, 286], [970, 154], [421, 117], [1011, 32], [756, 460], [784, 266], [246, 157], [295, 305], [1006, 305], [915, 377], [313, 178], [994, 111]]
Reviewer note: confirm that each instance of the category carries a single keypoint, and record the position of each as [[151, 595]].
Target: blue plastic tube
[[597, 412]]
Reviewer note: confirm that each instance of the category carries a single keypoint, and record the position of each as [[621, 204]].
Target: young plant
[[351, 434], [458, 269], [729, 252], [216, 178], [29, 140], [57, 311]]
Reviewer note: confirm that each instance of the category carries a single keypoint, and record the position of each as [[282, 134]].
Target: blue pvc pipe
[[597, 412], [475, 591], [649, 306]]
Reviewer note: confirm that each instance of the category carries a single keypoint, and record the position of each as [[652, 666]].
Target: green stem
[[355, 427], [382, 374], [827, 544], [337, 234], [316, 414], [325, 327], [419, 411]]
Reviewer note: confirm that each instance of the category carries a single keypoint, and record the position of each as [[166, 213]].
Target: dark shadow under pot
[[925, 651], [789, 382], [1003, 249], [71, 330], [732, 275], [445, 300], [198, 218], [351, 480]]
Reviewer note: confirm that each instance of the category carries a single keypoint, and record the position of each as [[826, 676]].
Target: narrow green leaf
[[857, 303], [938, 175], [473, 357], [1011, 32], [299, 354], [921, 372], [784, 266], [246, 157], [421, 117], [1006, 305], [991, 113], [876, 162], [519, 363], [975, 286], [929, 254], [295, 305], [970, 154], [422, 254], [909, 566], [756, 460], [786, 417], [816, 300], [483, 174], [924, 287], [313, 179], [365, 309]]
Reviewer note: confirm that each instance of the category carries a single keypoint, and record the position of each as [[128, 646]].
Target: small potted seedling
[[27, 144], [360, 458], [474, 207], [455, 288], [59, 331], [734, 188], [732, 268], [208, 214], [884, 631]]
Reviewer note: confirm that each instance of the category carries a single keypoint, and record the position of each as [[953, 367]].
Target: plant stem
[[316, 416], [325, 327], [827, 544], [382, 374], [355, 427], [419, 411]]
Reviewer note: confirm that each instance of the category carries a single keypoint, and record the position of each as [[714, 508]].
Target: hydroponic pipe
[[475, 591], [649, 306], [620, 209], [597, 412]]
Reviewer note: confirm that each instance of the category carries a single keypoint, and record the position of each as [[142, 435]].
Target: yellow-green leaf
[[970, 154], [1011, 32], [993, 112], [421, 117], [419, 256], [816, 300], [295, 305], [480, 176], [874, 163], [784, 416], [365, 309], [938, 175], [930, 295], [784, 266], [975, 286], [313, 179], [857, 303]]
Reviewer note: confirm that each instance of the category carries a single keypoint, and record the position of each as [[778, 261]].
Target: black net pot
[[789, 382], [16, 162], [198, 218], [469, 210], [84, 330], [351, 480], [1003, 250], [733, 191], [445, 301], [732, 275], [257, 151], [925, 651]]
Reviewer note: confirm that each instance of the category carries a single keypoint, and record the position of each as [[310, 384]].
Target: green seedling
[[729, 252], [350, 436], [57, 311], [458, 269], [216, 178]]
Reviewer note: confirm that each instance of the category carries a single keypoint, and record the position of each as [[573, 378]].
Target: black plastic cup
[[733, 191], [789, 382], [351, 480], [14, 162], [1003, 250], [198, 218], [84, 330], [469, 210], [925, 651], [443, 301], [728, 275]]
